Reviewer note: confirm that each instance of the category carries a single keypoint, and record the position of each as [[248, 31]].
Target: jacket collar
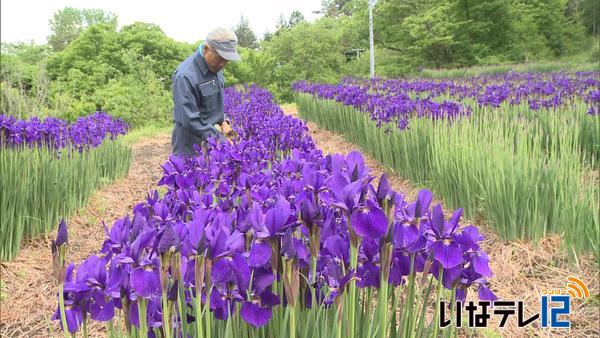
[[201, 63]]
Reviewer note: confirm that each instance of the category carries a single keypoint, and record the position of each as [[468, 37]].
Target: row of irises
[[518, 167], [538, 90], [49, 168], [548, 101], [267, 237], [384, 107], [389, 99], [87, 132]]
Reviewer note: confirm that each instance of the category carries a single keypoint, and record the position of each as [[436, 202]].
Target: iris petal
[[369, 222], [255, 315]]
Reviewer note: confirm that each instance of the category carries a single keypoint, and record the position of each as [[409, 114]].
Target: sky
[[186, 21]]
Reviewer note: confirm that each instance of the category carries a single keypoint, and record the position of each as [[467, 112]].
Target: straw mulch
[[28, 293]]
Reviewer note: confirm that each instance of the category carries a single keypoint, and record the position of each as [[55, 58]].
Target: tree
[[432, 36], [590, 16], [306, 51], [67, 24], [529, 43], [93, 16], [267, 36], [484, 29], [245, 35], [336, 8], [24, 84], [91, 60], [295, 18], [148, 40]]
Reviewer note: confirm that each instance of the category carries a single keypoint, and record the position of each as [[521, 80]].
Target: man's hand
[[226, 128]]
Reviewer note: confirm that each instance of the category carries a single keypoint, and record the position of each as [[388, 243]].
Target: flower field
[[49, 168], [520, 150], [268, 237], [377, 169]]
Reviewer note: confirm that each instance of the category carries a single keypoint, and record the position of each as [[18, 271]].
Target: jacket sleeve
[[221, 78], [185, 109]]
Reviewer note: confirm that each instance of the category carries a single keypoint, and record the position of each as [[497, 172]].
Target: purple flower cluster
[[238, 218], [384, 106], [593, 98], [86, 132], [400, 100]]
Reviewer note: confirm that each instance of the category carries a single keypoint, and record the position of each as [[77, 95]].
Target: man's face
[[214, 61]]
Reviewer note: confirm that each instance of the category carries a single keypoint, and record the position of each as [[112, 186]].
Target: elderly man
[[198, 92]]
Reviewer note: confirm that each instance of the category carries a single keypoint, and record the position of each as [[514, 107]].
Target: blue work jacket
[[198, 104]]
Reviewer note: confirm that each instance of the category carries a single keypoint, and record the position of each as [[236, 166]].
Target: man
[[198, 92]]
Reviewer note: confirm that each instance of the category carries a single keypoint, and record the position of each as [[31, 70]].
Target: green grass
[[541, 67], [40, 186], [146, 132], [586, 61], [526, 177]]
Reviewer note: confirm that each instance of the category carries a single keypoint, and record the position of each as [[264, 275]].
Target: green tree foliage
[[552, 23], [590, 16], [139, 96], [119, 72], [296, 17], [126, 73], [242, 72], [245, 35], [24, 85], [410, 34], [150, 41], [93, 57], [336, 8], [483, 29], [431, 36], [528, 41], [308, 51], [68, 23]]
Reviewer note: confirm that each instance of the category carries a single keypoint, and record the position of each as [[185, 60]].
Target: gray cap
[[224, 41]]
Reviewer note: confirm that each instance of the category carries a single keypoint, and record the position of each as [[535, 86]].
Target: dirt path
[[28, 293], [521, 269]]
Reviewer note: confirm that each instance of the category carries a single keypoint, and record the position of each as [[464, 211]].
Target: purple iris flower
[[257, 312], [337, 247], [92, 272], [368, 270], [62, 236], [75, 296], [445, 249], [153, 314], [276, 218], [169, 240], [231, 269], [255, 315], [52, 133], [292, 247], [420, 206], [336, 280], [369, 221], [260, 254], [145, 279]]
